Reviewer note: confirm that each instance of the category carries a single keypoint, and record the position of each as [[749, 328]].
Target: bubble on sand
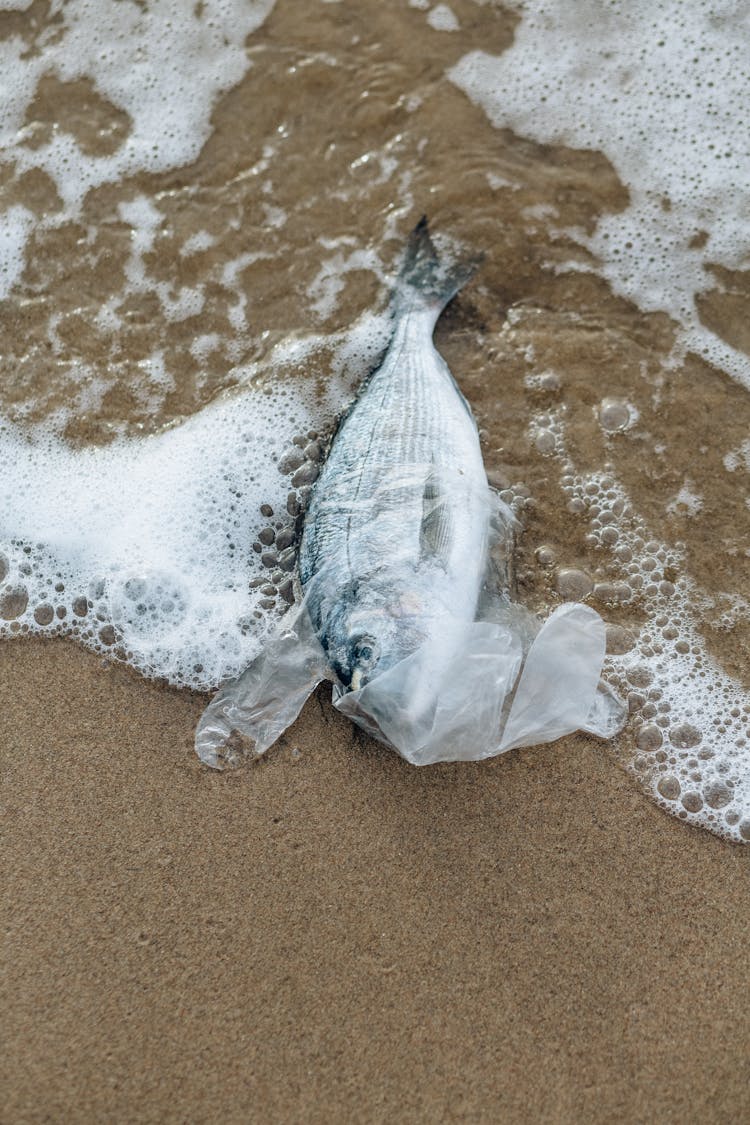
[[684, 736], [649, 737], [668, 787], [546, 556], [572, 584], [44, 614], [543, 383], [306, 474], [619, 639], [718, 794], [692, 802], [13, 602], [615, 415]]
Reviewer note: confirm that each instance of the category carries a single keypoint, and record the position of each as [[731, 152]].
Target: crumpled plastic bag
[[475, 712], [490, 695], [249, 714]]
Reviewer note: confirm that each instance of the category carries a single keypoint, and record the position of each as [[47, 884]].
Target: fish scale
[[410, 416]]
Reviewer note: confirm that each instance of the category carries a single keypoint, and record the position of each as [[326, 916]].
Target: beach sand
[[333, 935]]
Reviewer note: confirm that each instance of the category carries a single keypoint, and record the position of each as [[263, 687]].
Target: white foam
[[276, 217], [442, 18], [739, 457], [329, 281], [15, 226], [144, 219], [687, 502], [230, 279], [120, 48], [203, 345], [154, 550], [197, 242], [662, 91]]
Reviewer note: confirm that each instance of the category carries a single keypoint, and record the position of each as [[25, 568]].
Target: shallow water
[[230, 226]]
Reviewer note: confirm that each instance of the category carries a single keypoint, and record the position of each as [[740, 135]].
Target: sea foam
[[661, 90], [173, 552], [688, 741], [167, 96]]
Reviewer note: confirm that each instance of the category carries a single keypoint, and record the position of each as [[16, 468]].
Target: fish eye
[[366, 651]]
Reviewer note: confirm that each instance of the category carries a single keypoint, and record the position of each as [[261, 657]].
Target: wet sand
[[332, 935]]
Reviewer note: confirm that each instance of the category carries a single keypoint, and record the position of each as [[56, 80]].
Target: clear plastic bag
[[249, 714], [489, 689], [481, 707]]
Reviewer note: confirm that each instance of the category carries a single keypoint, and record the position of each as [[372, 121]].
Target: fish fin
[[426, 280], [501, 571], [435, 529]]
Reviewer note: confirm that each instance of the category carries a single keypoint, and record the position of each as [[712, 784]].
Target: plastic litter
[[501, 681]]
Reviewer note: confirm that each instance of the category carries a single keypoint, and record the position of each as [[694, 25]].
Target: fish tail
[[424, 279]]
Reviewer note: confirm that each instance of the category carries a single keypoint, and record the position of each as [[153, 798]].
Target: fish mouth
[[361, 677]]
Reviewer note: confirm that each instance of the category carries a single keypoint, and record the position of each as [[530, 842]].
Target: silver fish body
[[396, 536]]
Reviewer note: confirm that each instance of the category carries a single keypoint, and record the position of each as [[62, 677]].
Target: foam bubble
[[616, 415]]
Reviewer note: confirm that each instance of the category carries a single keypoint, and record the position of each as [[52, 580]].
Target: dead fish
[[397, 530], [393, 568]]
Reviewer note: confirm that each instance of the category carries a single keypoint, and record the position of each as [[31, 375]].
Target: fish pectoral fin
[[248, 714], [436, 527]]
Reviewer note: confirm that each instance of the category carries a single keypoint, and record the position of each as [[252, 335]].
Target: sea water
[[203, 209]]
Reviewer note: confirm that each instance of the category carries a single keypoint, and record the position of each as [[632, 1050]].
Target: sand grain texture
[[338, 936]]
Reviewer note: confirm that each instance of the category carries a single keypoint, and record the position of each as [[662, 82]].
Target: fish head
[[366, 640]]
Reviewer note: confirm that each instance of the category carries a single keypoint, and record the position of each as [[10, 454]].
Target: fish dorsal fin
[[436, 526]]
